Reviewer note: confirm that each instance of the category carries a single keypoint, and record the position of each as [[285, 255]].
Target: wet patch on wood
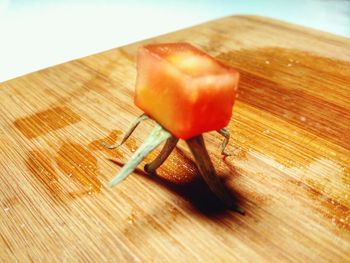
[[46, 121]]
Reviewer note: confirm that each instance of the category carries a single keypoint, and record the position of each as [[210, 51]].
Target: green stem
[[157, 136], [206, 169], [163, 155], [136, 122]]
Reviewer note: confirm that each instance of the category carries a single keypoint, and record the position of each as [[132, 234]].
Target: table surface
[[42, 33], [290, 169]]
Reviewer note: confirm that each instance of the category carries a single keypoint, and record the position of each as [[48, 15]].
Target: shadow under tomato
[[196, 192]]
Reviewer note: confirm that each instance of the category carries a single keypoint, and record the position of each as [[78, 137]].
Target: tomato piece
[[184, 89]]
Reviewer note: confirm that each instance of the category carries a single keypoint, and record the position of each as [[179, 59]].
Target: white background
[[35, 34]]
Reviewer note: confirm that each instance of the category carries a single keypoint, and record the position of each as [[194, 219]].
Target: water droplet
[[334, 221], [6, 209], [289, 65], [266, 131], [267, 62], [131, 219], [302, 118]]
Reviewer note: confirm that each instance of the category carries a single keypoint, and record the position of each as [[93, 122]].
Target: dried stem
[[206, 168], [197, 147], [224, 132], [163, 155], [136, 122], [157, 136]]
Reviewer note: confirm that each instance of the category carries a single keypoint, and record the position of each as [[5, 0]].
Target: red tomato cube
[[184, 89]]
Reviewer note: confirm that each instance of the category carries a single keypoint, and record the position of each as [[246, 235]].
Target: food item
[[187, 93], [184, 89]]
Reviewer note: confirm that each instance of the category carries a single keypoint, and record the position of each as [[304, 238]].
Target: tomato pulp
[[184, 89]]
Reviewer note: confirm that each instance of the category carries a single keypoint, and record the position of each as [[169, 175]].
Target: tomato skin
[[184, 89]]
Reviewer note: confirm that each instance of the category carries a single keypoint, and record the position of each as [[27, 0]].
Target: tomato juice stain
[[46, 121], [271, 80], [337, 213], [180, 175], [112, 138], [131, 144], [80, 165], [42, 170], [178, 168]]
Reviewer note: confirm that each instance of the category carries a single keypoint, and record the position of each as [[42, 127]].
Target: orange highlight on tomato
[[184, 89]]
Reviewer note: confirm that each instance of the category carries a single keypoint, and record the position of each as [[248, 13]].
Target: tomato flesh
[[184, 89]]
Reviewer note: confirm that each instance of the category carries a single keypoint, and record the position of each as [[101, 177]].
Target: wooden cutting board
[[290, 166]]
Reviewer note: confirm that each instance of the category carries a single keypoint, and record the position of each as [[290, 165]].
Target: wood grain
[[290, 166]]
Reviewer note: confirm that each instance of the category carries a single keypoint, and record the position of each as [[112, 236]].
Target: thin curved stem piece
[[224, 132], [157, 136], [133, 126], [163, 155], [206, 169]]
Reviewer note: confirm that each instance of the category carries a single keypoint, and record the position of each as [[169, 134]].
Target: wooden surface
[[290, 166]]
